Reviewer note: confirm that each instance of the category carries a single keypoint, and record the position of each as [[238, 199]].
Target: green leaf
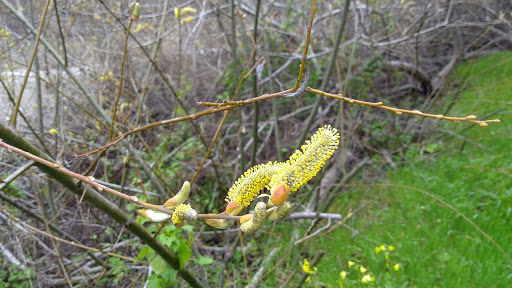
[[156, 262], [154, 281], [188, 228], [204, 260], [183, 254], [142, 253], [170, 274]]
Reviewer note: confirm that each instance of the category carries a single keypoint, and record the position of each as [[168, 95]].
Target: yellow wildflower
[[391, 248], [53, 131], [306, 267], [377, 250], [396, 266], [382, 248], [350, 264], [362, 269], [343, 274], [367, 278]]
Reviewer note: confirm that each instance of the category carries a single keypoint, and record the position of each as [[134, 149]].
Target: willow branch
[[97, 200], [308, 37]]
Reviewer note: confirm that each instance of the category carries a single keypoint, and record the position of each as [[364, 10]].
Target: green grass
[[435, 246]]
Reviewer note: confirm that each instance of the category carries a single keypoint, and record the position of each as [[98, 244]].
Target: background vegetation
[[402, 53]]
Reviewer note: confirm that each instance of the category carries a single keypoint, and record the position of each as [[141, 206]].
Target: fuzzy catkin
[[299, 169], [304, 165]]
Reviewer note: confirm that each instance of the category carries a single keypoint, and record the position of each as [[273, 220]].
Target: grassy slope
[[434, 246]]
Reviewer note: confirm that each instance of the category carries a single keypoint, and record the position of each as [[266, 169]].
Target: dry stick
[[306, 46], [15, 174], [121, 78], [61, 33], [162, 76], [217, 132], [29, 67], [61, 61], [29, 126], [227, 105], [57, 251], [234, 58], [259, 273], [38, 80], [30, 213], [148, 79], [398, 111], [327, 74], [255, 90], [72, 243], [76, 80], [243, 254]]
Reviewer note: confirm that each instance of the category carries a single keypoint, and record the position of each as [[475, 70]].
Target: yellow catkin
[[303, 165], [299, 169], [178, 217], [187, 9], [249, 185]]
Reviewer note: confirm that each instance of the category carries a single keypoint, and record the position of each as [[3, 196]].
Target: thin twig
[[308, 38], [29, 67], [13, 218], [121, 78]]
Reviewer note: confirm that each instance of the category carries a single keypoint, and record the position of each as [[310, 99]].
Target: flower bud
[[279, 195], [154, 216], [253, 224], [180, 197], [281, 212], [245, 218], [233, 208], [135, 10], [219, 223]]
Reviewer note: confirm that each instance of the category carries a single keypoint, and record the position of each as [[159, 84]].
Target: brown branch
[[308, 37], [87, 179]]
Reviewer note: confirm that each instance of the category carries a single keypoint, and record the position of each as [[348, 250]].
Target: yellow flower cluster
[[384, 248], [249, 185], [303, 165], [178, 217], [306, 267], [299, 169], [363, 272]]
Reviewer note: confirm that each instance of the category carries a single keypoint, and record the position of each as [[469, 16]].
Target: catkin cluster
[[299, 169]]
